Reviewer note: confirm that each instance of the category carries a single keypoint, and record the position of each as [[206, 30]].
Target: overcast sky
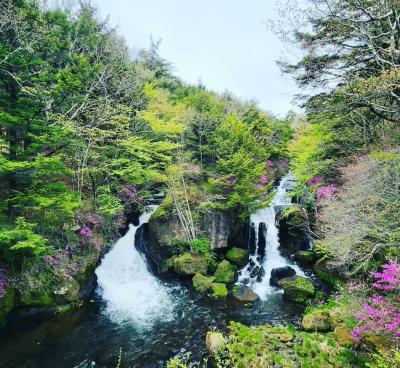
[[223, 43]]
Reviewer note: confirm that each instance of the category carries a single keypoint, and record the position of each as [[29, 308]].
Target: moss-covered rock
[[188, 264], [343, 335], [225, 272], [215, 341], [237, 256], [219, 290], [298, 289], [295, 216], [305, 257], [37, 298], [202, 284], [323, 272], [168, 265], [317, 321]]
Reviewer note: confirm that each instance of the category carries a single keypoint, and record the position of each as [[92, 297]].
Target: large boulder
[[202, 284], [188, 264], [244, 294], [214, 341], [281, 273], [317, 321], [298, 289], [237, 256], [225, 272]]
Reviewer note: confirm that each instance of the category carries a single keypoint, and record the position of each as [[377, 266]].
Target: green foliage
[[203, 246], [21, 240], [280, 345], [384, 359]]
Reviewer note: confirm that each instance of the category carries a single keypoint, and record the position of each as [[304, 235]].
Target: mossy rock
[[343, 335], [168, 264], [305, 257], [215, 341], [295, 216], [225, 272], [38, 298], [219, 290], [298, 289], [202, 284], [323, 272], [188, 264], [237, 256], [317, 321]]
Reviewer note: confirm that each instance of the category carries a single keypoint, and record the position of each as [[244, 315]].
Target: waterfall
[[131, 292], [266, 256]]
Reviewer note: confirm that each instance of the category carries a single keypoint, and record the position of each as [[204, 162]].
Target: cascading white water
[[130, 291], [272, 259]]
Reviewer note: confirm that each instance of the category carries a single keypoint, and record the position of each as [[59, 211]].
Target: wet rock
[[254, 272], [317, 321], [225, 272], [342, 335], [237, 256], [188, 264], [298, 289], [281, 273], [215, 341], [261, 274], [244, 294]]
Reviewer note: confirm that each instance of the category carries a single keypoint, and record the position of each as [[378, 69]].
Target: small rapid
[[131, 293], [266, 255]]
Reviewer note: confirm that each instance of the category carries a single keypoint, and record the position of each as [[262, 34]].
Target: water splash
[[132, 294]]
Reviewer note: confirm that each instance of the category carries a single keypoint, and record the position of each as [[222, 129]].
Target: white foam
[[130, 291]]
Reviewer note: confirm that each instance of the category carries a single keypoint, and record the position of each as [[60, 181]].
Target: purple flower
[[129, 194], [326, 192], [86, 231], [315, 181]]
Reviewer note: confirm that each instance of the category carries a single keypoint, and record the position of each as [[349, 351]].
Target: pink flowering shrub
[[381, 315], [315, 181], [86, 231], [326, 192]]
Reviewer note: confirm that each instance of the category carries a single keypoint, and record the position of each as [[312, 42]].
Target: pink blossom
[[326, 192], [86, 231], [315, 181]]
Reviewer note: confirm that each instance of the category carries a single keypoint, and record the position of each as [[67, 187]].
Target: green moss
[[41, 298], [225, 272], [168, 264], [65, 308], [298, 289], [305, 257], [219, 290], [202, 284], [7, 303], [323, 273], [237, 256], [188, 264], [284, 346]]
